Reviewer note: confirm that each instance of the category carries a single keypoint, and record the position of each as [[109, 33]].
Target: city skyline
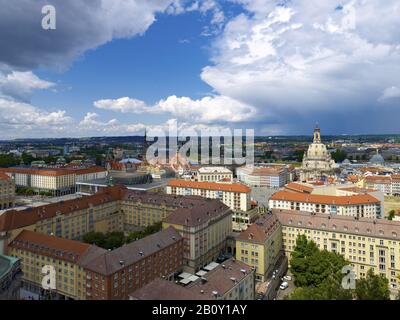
[[273, 66]]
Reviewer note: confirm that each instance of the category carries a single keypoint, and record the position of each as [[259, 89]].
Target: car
[[287, 278], [284, 285]]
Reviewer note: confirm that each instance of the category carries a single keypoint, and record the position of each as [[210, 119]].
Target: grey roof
[[380, 228], [109, 262]]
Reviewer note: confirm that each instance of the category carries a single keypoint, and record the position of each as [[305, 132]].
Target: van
[[284, 285]]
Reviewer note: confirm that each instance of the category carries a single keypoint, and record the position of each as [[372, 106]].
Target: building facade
[[271, 176], [214, 174], [317, 162], [57, 181], [7, 192], [356, 205], [232, 280], [10, 278], [365, 243], [204, 230], [260, 246], [234, 195]]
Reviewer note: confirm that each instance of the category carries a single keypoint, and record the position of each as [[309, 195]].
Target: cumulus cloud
[[81, 25], [390, 93], [207, 110], [302, 58], [20, 85]]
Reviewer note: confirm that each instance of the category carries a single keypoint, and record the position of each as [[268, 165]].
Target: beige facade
[[317, 161], [204, 231], [260, 246], [366, 244], [7, 192], [214, 174], [234, 195]]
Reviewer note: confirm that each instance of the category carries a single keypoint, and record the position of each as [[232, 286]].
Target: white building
[[271, 176], [234, 195], [214, 174]]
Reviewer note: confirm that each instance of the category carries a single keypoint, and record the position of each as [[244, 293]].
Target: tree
[[317, 274], [339, 155], [391, 214], [373, 287], [96, 238]]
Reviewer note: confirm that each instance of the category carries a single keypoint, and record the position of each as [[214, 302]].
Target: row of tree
[[116, 239], [319, 275]]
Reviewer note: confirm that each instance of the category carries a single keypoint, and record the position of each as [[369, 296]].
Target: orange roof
[[4, 176], [51, 246], [43, 172], [299, 187], [378, 179], [234, 187], [323, 199], [89, 170]]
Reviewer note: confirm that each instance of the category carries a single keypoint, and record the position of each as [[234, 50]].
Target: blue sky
[[118, 67]]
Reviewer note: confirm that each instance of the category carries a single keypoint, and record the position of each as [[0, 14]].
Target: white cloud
[[123, 105], [307, 56], [208, 109], [390, 93], [20, 85]]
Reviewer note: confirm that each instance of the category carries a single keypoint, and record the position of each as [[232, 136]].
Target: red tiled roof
[[234, 187], [323, 199]]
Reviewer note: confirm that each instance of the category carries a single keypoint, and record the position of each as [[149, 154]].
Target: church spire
[[317, 134]]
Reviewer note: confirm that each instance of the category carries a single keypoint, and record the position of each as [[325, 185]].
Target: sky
[[118, 67]]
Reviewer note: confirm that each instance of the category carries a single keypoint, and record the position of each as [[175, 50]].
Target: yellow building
[[67, 257], [365, 243], [7, 192], [204, 228], [260, 245], [234, 195], [214, 174]]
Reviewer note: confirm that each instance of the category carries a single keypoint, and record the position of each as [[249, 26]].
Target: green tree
[[96, 238], [8, 160], [317, 274], [339, 155], [391, 214], [373, 287]]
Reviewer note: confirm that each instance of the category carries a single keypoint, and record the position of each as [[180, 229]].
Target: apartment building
[[264, 175], [232, 280], [7, 192], [10, 277], [260, 245], [38, 250], [57, 181], [87, 272], [115, 274], [389, 185], [365, 243], [234, 195], [67, 219], [214, 174], [204, 229], [356, 205]]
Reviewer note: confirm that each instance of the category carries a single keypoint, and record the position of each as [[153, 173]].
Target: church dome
[[377, 159]]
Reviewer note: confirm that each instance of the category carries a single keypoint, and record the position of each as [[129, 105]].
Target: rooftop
[[110, 262], [260, 230], [51, 246], [324, 199], [379, 228], [230, 187]]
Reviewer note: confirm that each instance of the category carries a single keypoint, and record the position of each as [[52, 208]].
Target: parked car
[[284, 285], [287, 278]]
